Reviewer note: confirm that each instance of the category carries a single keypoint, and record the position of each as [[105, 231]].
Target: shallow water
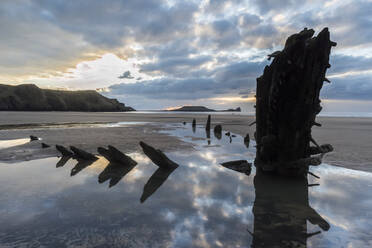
[[13, 142], [200, 204]]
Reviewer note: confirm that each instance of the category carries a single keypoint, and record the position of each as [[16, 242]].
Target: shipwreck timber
[[287, 103]]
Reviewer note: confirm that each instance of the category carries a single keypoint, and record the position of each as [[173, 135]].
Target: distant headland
[[29, 97], [203, 109]]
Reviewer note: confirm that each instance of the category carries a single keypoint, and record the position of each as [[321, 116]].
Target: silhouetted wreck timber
[[321, 149], [218, 129], [157, 156], [241, 166], [81, 154], [43, 145], [208, 126], [64, 151], [246, 140], [115, 172], [155, 181], [62, 161], [115, 156], [287, 102], [81, 165], [282, 211], [194, 125]]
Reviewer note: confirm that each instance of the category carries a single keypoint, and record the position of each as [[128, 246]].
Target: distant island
[[203, 109], [29, 97]]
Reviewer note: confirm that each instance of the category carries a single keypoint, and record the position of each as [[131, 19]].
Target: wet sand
[[351, 137]]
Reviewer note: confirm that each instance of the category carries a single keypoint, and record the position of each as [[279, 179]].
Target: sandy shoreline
[[351, 137]]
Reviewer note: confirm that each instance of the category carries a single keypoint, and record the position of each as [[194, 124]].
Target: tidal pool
[[53, 203], [13, 142]]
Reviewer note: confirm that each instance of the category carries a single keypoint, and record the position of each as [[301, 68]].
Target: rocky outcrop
[[28, 97], [287, 102]]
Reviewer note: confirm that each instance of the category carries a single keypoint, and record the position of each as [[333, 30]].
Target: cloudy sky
[[159, 54]]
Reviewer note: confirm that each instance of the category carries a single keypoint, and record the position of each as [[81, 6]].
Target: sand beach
[[350, 136]]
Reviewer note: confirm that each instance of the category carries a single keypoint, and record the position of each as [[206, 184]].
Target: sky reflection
[[199, 204]]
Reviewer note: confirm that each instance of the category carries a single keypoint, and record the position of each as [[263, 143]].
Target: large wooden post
[[287, 102]]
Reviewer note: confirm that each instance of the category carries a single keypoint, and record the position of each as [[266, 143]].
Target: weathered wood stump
[[62, 161], [115, 172], [287, 102], [158, 157], [155, 181], [242, 166], [282, 211], [246, 140], [208, 125], [81, 154], [218, 129], [43, 145], [115, 156], [64, 151]]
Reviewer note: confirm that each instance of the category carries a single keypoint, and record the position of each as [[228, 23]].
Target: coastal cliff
[[29, 97]]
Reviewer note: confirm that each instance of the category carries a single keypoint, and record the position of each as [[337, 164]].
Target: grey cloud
[[172, 48], [240, 79], [106, 23], [343, 63], [240, 70], [244, 92], [226, 79], [249, 20], [351, 87], [355, 22], [240, 31], [175, 65], [192, 88], [265, 6], [31, 46], [226, 33], [349, 23], [218, 7], [39, 34], [126, 75]]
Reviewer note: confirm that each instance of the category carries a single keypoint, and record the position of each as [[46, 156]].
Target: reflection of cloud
[[197, 206]]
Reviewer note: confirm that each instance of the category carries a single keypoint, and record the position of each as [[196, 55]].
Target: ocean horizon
[[325, 114]]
